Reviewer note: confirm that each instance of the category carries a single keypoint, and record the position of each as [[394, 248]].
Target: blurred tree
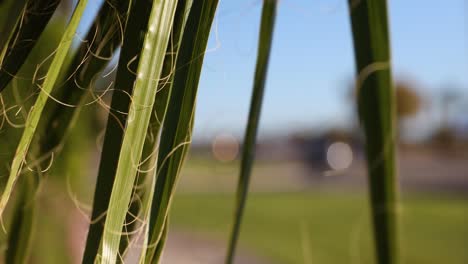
[[409, 102]]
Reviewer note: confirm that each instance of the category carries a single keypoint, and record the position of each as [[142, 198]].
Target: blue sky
[[312, 61]]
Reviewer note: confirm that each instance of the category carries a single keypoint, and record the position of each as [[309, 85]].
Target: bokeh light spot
[[339, 156], [225, 147]]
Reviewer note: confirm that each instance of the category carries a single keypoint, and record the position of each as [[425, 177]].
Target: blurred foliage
[[409, 103]]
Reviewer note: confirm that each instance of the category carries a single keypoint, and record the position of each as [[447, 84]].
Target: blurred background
[[309, 199]]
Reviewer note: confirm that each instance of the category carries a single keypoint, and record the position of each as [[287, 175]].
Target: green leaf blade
[[22, 228], [137, 21], [148, 74], [35, 113], [248, 150], [102, 40], [178, 123], [376, 106], [145, 181], [10, 16], [34, 20]]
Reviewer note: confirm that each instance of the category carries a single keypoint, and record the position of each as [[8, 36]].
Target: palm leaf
[[35, 18], [95, 52], [36, 112], [248, 151], [137, 22], [376, 105], [10, 15], [148, 74], [21, 228], [21, 232], [176, 135], [145, 182]]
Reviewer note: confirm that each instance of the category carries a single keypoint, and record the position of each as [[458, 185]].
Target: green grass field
[[328, 227]]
